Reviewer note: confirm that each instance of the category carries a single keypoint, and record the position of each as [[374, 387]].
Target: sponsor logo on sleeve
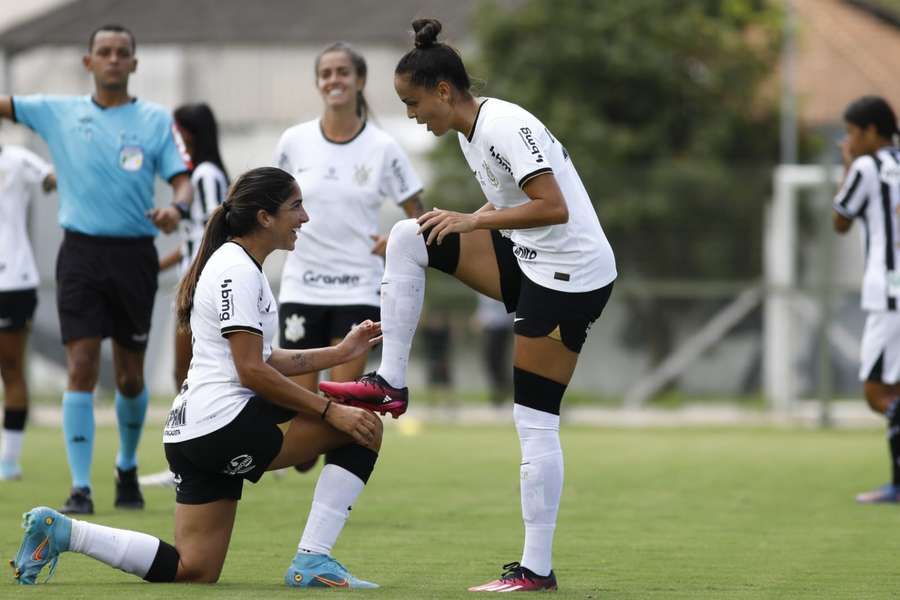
[[397, 169], [226, 301], [528, 140]]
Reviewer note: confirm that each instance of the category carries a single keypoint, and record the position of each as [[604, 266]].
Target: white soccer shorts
[[881, 338]]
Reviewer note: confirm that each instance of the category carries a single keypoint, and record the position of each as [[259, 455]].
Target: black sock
[[165, 564], [14, 418], [893, 437]]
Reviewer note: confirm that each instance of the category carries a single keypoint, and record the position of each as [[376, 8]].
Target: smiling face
[[111, 60], [284, 226], [337, 80], [429, 107]]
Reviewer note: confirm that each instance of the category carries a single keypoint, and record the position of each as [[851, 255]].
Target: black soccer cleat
[[128, 492], [79, 502]]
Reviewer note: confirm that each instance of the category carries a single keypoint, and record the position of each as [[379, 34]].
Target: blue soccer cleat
[[47, 534], [320, 570], [888, 493]]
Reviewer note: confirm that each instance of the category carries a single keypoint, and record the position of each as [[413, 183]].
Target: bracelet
[[183, 209], [327, 406]]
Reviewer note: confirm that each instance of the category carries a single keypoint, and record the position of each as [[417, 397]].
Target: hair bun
[[426, 31]]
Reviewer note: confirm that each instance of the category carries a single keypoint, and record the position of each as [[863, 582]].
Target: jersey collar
[[258, 266], [331, 141], [475, 122]]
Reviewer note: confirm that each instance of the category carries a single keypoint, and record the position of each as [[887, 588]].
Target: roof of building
[[276, 22]]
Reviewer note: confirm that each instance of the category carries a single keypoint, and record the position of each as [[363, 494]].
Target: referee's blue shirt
[[105, 159]]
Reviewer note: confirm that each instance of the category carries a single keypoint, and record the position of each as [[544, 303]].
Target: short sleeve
[[171, 161], [239, 292], [34, 168], [35, 112], [281, 158], [516, 145], [399, 180], [850, 200], [209, 185]]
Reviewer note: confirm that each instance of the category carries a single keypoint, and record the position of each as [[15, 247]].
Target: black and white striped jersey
[[871, 193], [210, 188]]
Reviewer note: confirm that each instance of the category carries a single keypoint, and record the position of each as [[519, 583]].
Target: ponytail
[[215, 234]]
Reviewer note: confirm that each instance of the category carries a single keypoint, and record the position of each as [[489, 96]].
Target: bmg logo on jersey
[[528, 139], [226, 302]]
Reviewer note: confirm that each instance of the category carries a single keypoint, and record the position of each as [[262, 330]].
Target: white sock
[[336, 491], [11, 445], [130, 551], [541, 484], [402, 294]]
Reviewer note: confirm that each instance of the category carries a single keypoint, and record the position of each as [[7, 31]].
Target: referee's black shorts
[[105, 287]]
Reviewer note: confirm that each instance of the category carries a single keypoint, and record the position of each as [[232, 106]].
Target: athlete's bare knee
[[197, 573], [83, 368], [129, 385]]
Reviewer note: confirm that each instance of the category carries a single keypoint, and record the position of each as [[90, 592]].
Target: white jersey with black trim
[[871, 193], [508, 146], [232, 295], [20, 172], [343, 186], [210, 187]]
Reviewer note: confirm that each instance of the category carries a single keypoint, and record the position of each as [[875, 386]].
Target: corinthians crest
[[490, 175], [361, 174]]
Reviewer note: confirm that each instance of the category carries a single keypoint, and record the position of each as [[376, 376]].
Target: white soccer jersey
[[509, 146], [232, 294], [871, 192], [343, 186], [210, 186], [20, 171]]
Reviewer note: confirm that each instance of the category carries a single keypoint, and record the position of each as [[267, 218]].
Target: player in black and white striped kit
[[200, 134], [536, 244], [871, 194], [21, 172]]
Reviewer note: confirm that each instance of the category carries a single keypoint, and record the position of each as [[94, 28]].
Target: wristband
[[183, 209], [327, 406]]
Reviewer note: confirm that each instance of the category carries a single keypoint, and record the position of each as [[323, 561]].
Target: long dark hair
[[199, 120], [359, 65], [265, 188], [873, 110], [432, 61]]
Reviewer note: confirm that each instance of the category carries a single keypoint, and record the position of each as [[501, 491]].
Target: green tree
[[663, 106]]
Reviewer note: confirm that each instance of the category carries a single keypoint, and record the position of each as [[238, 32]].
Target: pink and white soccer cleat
[[516, 578], [370, 392]]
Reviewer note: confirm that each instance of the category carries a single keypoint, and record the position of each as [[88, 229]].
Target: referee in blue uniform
[[107, 149]]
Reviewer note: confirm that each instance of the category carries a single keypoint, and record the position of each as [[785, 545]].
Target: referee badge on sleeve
[[131, 158]]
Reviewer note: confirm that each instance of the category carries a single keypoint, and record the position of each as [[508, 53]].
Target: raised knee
[[197, 574]]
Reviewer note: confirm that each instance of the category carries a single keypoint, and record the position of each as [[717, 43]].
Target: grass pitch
[[698, 513]]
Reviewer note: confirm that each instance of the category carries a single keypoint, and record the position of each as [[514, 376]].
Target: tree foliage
[[667, 108]]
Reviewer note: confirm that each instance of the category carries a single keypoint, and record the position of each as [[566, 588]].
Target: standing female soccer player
[[197, 125], [20, 172], [223, 427], [200, 133], [555, 269], [346, 167], [871, 191]]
